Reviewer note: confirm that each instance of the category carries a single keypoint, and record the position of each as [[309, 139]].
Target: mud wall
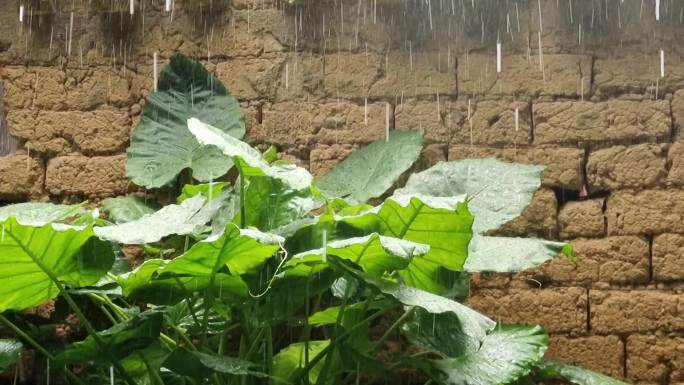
[[585, 79]]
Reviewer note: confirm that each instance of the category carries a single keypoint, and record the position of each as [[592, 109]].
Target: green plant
[[273, 277]]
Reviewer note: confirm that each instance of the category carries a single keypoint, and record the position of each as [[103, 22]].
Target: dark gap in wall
[[584, 177], [605, 219], [588, 312], [532, 123], [260, 113], [650, 237], [564, 196], [593, 75]]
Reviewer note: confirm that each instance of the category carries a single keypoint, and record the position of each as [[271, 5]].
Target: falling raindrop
[[21, 13], [155, 57], [517, 119], [71, 32], [498, 57], [131, 7], [657, 9], [167, 6], [111, 375], [2, 236], [365, 111], [662, 63], [387, 121], [325, 246]]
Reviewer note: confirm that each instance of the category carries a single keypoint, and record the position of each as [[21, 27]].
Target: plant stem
[[242, 202], [38, 347], [60, 288], [305, 371], [400, 321], [91, 331], [307, 329]]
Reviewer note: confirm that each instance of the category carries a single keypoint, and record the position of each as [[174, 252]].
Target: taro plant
[[270, 276]]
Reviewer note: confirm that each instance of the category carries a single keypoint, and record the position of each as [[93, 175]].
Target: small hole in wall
[[7, 142]]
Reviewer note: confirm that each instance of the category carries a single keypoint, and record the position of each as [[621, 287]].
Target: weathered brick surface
[[50, 88], [668, 257], [297, 125], [645, 212], [615, 121], [559, 310], [439, 121], [100, 131], [250, 79], [640, 166], [99, 176], [538, 219], [615, 260], [563, 75], [323, 157], [493, 123], [563, 165], [21, 177], [635, 311], [656, 359], [636, 74], [428, 75], [578, 219], [675, 159], [603, 354]]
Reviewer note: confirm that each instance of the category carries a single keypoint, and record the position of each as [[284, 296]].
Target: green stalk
[[91, 331], [243, 209], [400, 321], [269, 349], [305, 371], [338, 322], [255, 344], [37, 346], [60, 288], [307, 329]]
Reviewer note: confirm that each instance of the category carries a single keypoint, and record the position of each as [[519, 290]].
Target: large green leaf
[[209, 190], [119, 341], [186, 218], [369, 172], [550, 370], [442, 223], [126, 209], [473, 324], [248, 160], [31, 257], [197, 365], [240, 250], [144, 284], [290, 361], [39, 213], [162, 146], [506, 354], [10, 352], [499, 193], [485, 253], [375, 254], [270, 203], [144, 365]]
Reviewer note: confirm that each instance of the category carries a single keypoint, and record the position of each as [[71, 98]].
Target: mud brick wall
[[596, 112]]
